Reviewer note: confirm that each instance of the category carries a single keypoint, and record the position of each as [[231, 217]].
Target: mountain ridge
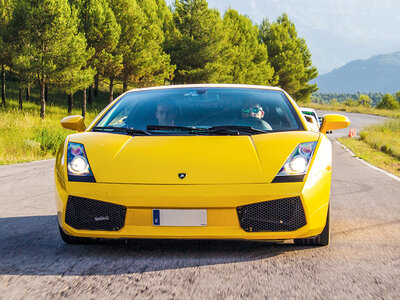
[[379, 73]]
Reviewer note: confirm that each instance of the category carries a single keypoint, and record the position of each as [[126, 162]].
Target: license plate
[[179, 217]]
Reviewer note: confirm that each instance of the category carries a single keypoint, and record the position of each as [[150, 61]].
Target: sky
[[336, 31]]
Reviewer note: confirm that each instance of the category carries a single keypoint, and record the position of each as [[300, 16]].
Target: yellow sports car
[[197, 162]]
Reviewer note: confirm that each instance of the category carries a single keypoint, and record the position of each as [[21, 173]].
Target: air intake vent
[[88, 214], [275, 215]]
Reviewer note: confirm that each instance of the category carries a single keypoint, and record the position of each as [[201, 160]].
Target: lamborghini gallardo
[[197, 162]]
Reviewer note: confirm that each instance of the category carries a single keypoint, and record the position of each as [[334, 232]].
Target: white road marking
[[395, 177]]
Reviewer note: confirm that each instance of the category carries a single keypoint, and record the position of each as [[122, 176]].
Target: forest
[[73, 46]]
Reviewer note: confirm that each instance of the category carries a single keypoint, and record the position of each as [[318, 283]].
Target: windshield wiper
[[235, 130], [188, 129], [131, 131], [223, 130]]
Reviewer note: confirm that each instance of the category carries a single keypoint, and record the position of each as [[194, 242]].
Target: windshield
[[198, 110]]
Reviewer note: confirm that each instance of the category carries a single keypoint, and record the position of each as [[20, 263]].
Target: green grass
[[372, 155], [356, 109], [379, 145], [385, 137], [26, 137]]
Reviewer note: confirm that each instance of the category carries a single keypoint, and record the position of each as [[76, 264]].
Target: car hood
[[116, 158]]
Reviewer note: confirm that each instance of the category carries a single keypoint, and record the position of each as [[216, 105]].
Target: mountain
[[380, 73]]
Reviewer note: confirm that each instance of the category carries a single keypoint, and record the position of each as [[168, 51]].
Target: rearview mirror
[[332, 122], [74, 123]]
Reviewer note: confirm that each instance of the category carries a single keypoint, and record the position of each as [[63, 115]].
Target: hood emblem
[[181, 175]]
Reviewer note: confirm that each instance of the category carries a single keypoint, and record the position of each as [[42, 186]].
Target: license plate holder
[[180, 217]]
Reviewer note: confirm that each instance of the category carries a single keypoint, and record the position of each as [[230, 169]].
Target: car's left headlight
[[77, 164], [296, 166]]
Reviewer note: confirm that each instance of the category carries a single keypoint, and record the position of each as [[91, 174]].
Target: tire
[[69, 239], [320, 240]]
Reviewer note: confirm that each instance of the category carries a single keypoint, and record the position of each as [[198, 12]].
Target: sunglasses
[[254, 110]]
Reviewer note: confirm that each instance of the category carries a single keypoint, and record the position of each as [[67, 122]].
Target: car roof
[[209, 85], [307, 109]]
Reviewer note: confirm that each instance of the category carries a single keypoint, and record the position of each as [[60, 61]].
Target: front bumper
[[221, 202]]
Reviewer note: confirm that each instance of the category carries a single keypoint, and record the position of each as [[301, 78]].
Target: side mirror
[[74, 123], [332, 122]]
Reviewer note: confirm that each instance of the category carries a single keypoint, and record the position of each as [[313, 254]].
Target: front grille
[[84, 213], [275, 215]]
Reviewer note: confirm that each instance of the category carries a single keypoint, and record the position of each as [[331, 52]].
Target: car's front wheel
[[320, 240], [69, 239]]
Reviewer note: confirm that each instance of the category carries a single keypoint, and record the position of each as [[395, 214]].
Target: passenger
[[252, 115], [254, 111]]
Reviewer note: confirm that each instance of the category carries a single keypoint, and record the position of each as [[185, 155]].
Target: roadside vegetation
[[385, 137], [391, 113], [379, 145], [26, 137], [371, 103]]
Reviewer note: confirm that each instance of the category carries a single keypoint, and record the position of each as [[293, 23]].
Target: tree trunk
[[111, 95], [125, 85], [90, 96], [46, 93], [28, 93], [84, 103], [96, 85], [70, 103], [20, 95], [3, 86], [42, 99]]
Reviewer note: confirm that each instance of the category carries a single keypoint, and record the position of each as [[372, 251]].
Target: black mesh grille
[[275, 215], [83, 213]]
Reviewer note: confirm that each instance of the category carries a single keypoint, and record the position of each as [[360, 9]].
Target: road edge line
[[395, 177]]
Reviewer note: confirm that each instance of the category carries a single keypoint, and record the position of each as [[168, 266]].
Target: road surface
[[362, 261]]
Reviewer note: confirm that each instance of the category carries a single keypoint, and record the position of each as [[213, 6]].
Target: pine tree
[[245, 58], [154, 67], [131, 19], [5, 13], [289, 56], [102, 32], [110, 65], [196, 48], [48, 41]]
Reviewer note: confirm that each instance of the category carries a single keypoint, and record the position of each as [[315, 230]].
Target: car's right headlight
[[77, 164]]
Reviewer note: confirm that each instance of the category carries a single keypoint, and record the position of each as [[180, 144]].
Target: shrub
[[349, 102], [387, 102], [364, 100], [49, 139]]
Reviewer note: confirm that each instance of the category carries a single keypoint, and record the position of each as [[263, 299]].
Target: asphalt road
[[362, 261]]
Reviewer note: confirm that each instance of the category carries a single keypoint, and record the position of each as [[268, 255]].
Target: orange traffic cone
[[352, 132]]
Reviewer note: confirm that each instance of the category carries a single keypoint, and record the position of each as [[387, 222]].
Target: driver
[[166, 114]]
